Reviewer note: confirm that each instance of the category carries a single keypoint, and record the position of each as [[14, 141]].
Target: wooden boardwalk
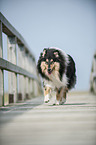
[[35, 123]]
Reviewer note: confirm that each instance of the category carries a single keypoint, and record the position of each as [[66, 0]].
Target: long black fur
[[71, 70], [71, 73]]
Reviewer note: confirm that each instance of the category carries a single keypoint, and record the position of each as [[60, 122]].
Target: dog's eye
[[51, 62], [46, 62]]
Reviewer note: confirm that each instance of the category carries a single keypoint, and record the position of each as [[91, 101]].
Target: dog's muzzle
[[49, 71]]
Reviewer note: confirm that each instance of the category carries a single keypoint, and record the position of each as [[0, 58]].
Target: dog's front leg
[[58, 95], [63, 95], [47, 91]]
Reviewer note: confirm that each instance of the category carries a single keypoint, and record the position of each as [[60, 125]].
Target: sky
[[66, 24]]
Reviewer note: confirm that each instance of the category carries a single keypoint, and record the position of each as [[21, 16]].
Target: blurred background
[[66, 24]]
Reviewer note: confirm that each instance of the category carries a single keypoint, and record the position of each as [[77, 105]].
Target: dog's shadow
[[69, 104]]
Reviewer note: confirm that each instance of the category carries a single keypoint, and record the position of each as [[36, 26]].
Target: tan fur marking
[[51, 60], [56, 70], [64, 95], [47, 90], [52, 66], [44, 52], [46, 60], [65, 91], [57, 66], [56, 54], [59, 95], [43, 66]]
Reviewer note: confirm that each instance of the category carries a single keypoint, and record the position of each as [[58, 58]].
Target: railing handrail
[[9, 30], [6, 65]]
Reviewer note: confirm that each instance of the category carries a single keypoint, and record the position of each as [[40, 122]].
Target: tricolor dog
[[58, 72]]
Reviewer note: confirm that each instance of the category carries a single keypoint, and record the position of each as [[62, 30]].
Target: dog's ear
[[56, 53], [44, 52]]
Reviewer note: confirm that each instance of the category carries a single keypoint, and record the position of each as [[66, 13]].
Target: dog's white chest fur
[[56, 83]]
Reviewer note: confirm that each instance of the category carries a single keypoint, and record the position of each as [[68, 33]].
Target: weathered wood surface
[[34, 123], [21, 67], [1, 71], [12, 77], [14, 68]]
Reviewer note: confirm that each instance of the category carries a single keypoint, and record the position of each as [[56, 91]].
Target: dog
[[58, 72]]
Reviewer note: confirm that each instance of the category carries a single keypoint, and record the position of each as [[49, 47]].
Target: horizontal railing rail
[[16, 69]]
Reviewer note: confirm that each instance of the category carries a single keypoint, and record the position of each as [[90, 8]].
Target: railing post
[[12, 77], [31, 80], [21, 79], [35, 82], [1, 71], [32, 71], [26, 79], [1, 49]]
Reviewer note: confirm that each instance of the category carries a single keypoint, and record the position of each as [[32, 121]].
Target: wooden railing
[[20, 66]]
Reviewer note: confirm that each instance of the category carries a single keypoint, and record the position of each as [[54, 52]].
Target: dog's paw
[[46, 101], [56, 103], [46, 98], [63, 101]]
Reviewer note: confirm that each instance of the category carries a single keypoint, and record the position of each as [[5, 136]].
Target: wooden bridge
[[24, 118]]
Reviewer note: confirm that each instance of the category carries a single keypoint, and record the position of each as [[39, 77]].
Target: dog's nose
[[49, 70]]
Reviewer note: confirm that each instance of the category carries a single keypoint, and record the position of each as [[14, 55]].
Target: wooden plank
[[29, 80], [12, 80], [31, 86], [26, 79], [73, 123], [35, 88], [6, 65], [1, 87], [1, 71], [1, 49], [21, 79]]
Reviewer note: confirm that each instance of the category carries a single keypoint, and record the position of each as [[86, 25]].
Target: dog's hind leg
[[63, 97], [47, 91], [63, 100], [58, 96]]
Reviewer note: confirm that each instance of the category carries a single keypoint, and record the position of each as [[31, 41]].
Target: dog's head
[[49, 62]]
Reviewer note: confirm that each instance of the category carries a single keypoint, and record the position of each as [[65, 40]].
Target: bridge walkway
[[35, 123]]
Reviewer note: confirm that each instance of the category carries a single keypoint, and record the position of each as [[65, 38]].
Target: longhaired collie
[[58, 72]]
